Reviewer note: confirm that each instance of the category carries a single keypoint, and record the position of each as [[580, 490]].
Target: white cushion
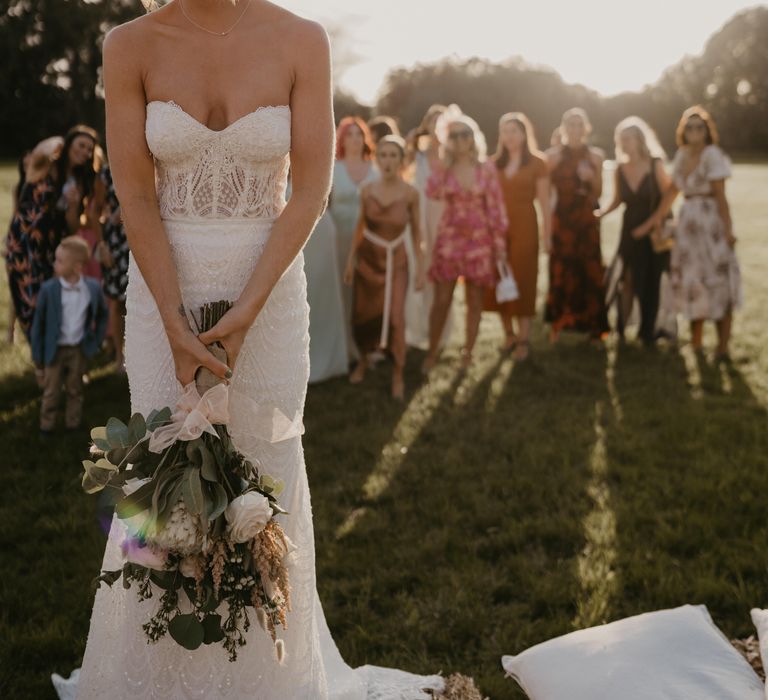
[[667, 655], [760, 620]]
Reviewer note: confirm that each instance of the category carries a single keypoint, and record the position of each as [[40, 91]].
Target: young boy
[[68, 327]]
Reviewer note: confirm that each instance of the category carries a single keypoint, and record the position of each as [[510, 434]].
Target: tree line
[[50, 51]]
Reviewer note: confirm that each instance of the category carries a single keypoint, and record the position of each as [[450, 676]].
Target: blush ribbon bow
[[194, 415]]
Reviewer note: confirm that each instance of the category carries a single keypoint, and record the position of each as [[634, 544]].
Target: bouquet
[[198, 517]]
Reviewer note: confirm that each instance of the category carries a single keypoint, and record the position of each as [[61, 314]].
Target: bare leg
[[724, 326], [523, 349], [509, 331], [475, 296], [11, 324], [397, 329], [358, 374], [697, 332], [441, 305]]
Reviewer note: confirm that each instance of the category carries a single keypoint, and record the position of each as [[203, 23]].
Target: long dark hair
[[502, 155], [85, 174]]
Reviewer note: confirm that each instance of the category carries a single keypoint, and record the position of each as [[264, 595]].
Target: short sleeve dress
[[704, 270], [472, 229]]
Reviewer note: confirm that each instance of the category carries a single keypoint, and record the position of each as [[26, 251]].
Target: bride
[[208, 102]]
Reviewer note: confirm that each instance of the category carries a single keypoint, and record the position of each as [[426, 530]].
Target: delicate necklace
[[224, 33]]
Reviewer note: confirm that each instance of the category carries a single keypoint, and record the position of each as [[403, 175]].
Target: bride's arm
[[312, 137], [134, 177]]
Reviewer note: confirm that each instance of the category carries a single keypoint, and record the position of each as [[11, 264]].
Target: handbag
[[663, 236], [506, 289]]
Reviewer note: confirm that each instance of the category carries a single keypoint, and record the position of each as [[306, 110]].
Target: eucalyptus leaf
[[187, 631], [96, 477], [156, 418], [137, 502], [193, 492], [212, 629], [118, 434], [99, 437], [217, 503], [137, 427]]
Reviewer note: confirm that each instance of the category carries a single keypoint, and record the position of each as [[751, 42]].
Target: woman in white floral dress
[[705, 274]]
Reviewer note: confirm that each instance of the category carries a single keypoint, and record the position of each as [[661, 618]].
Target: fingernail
[[228, 374]]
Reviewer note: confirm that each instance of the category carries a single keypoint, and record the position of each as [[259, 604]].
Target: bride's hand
[[229, 332], [189, 354]]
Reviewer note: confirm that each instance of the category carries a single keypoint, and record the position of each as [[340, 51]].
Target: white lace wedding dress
[[219, 192]]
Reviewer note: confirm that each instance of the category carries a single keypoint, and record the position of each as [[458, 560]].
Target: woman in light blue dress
[[328, 351], [354, 168]]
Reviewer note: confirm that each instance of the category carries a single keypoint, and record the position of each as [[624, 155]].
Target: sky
[[608, 46]]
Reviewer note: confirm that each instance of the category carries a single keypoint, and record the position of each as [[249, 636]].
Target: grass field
[[493, 511]]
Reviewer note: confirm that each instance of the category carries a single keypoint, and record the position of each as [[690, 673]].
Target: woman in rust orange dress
[[524, 178], [576, 298], [378, 265]]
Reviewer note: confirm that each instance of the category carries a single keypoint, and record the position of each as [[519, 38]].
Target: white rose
[[247, 516]]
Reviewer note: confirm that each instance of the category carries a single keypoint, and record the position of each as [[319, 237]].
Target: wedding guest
[[576, 297], [93, 191], [422, 157], [354, 168], [69, 325], [640, 181], [328, 352], [113, 255], [705, 274], [378, 266], [382, 126], [471, 233], [15, 196], [36, 230], [524, 179]]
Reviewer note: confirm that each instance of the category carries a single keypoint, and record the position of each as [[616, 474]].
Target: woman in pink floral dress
[[471, 234]]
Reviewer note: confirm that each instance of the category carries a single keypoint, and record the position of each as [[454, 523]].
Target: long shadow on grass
[[470, 551], [688, 471], [51, 541]]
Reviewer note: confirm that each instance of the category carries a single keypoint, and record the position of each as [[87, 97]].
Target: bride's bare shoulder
[[303, 33], [137, 34]]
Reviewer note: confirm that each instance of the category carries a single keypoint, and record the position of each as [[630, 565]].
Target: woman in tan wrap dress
[[378, 265]]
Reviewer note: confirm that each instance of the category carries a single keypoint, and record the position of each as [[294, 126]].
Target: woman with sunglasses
[[471, 235], [705, 274]]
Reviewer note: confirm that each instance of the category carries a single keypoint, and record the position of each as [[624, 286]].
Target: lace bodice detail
[[238, 172]]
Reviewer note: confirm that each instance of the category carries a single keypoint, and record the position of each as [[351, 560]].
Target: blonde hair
[[581, 114], [78, 247], [646, 138], [454, 115]]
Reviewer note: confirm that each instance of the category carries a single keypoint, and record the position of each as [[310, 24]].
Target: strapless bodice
[[239, 172]]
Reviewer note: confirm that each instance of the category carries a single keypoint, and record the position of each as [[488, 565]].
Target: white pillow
[[760, 620], [667, 655]]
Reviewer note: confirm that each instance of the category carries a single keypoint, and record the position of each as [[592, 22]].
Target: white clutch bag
[[506, 289]]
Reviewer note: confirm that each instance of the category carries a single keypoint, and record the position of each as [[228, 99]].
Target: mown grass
[[491, 512]]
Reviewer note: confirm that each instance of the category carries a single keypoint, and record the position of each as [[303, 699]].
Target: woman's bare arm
[[616, 203], [134, 178], [544, 195], [312, 140], [597, 157], [718, 189]]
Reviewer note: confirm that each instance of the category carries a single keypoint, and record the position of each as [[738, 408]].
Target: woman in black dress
[[640, 183], [114, 262]]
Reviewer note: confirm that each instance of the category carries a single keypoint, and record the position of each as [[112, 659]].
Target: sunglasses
[[463, 134], [695, 127]]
